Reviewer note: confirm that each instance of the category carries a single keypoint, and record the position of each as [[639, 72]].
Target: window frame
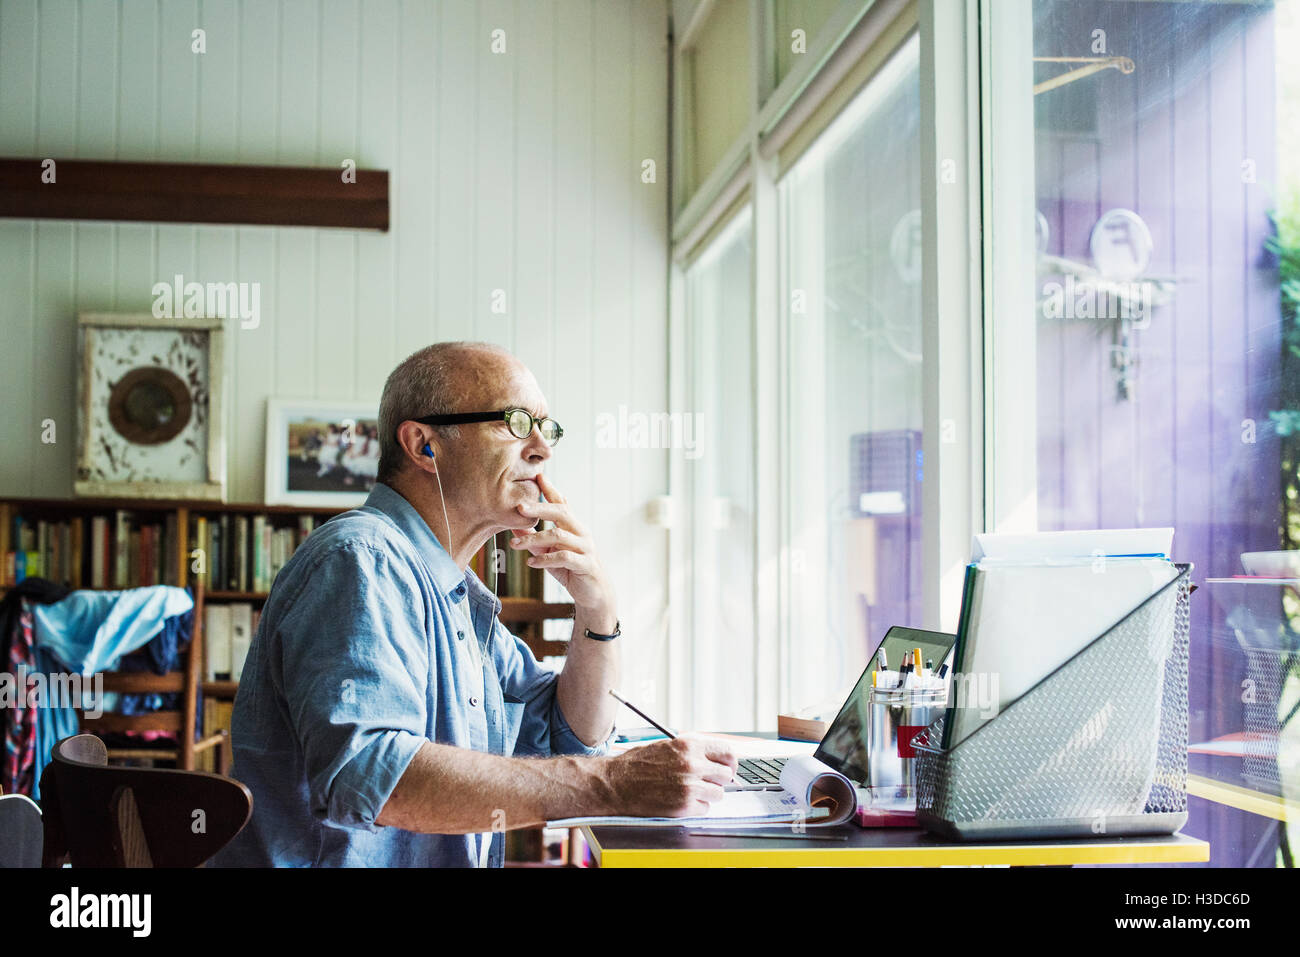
[[956, 444]]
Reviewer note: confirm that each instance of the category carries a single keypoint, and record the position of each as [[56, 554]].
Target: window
[[850, 228], [715, 89], [1152, 351], [720, 479]]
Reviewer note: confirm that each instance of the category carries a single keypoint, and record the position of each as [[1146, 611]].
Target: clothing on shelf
[[84, 633], [18, 652]]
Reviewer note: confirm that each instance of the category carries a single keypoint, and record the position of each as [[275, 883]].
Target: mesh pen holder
[[1098, 747]]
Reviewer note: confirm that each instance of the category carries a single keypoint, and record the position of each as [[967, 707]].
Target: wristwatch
[[618, 630]]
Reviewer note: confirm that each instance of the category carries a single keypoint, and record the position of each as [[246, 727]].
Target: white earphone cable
[[443, 500], [485, 840]]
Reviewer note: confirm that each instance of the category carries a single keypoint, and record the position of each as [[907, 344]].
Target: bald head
[[439, 379]]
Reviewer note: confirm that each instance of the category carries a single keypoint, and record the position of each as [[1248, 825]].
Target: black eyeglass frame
[[458, 418]]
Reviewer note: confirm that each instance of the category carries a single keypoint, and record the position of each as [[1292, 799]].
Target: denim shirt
[[360, 657]]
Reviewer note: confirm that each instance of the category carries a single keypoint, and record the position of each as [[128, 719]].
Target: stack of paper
[[1035, 601]]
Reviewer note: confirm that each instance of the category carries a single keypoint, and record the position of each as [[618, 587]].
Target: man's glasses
[[520, 421]]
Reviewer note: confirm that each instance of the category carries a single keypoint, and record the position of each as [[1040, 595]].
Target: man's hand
[[675, 778], [568, 553]]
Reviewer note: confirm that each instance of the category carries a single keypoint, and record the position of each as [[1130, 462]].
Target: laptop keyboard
[[760, 770]]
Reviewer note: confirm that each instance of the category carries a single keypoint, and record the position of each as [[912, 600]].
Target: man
[[384, 716]]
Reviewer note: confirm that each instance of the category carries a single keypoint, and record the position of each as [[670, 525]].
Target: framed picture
[[320, 452], [149, 419]]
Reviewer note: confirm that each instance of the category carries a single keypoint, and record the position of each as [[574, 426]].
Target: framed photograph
[[149, 419], [320, 452]]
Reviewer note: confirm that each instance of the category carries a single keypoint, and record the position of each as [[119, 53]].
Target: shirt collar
[[452, 581]]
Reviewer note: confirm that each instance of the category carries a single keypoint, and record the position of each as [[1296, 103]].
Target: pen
[[642, 713]]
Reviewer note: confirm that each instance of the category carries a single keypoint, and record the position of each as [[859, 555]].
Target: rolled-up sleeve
[[354, 670], [543, 730]]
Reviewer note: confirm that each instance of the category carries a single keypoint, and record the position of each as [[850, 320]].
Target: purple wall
[[1169, 142]]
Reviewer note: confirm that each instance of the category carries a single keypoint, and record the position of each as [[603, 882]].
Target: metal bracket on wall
[[1095, 64]]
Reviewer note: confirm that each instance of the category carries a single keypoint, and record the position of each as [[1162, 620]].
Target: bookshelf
[[237, 548]]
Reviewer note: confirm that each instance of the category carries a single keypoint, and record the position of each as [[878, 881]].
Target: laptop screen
[[844, 747]]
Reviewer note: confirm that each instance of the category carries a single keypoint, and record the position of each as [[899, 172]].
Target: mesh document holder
[[1098, 747]]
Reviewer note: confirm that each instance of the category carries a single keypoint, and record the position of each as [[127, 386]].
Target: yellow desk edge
[[1161, 849]]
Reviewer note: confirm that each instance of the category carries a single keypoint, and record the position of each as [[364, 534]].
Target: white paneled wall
[[518, 171]]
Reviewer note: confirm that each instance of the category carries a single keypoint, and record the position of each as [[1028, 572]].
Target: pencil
[[642, 713]]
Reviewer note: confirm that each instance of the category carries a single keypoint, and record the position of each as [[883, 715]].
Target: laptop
[[844, 746]]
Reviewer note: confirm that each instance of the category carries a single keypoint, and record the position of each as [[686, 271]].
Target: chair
[[179, 723], [21, 831], [102, 816]]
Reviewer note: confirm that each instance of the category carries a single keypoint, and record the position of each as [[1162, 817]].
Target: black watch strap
[[618, 630]]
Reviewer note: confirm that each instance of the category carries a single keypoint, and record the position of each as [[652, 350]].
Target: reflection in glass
[[850, 214]]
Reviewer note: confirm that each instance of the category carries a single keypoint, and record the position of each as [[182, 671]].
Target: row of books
[[96, 551], [216, 714], [125, 549], [244, 553], [505, 570], [228, 630]]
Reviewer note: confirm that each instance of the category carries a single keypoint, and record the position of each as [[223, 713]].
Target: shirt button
[[473, 701], [460, 635]]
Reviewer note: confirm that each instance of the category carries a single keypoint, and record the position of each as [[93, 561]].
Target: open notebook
[[811, 793]]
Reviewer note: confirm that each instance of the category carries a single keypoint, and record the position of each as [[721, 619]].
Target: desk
[[865, 847], [874, 847]]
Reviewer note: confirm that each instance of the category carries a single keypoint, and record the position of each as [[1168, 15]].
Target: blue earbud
[[427, 451]]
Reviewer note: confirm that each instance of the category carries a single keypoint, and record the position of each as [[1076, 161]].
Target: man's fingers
[[561, 558], [559, 514], [720, 752], [719, 774], [551, 538], [708, 793], [550, 511], [550, 491]]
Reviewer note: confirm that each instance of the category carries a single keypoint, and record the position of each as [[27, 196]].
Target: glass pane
[[721, 80], [797, 23], [850, 231], [720, 473], [1167, 388]]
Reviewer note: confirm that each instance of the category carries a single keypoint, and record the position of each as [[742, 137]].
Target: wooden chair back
[[102, 816]]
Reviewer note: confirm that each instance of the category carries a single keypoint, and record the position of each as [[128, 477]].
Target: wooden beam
[[193, 193]]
